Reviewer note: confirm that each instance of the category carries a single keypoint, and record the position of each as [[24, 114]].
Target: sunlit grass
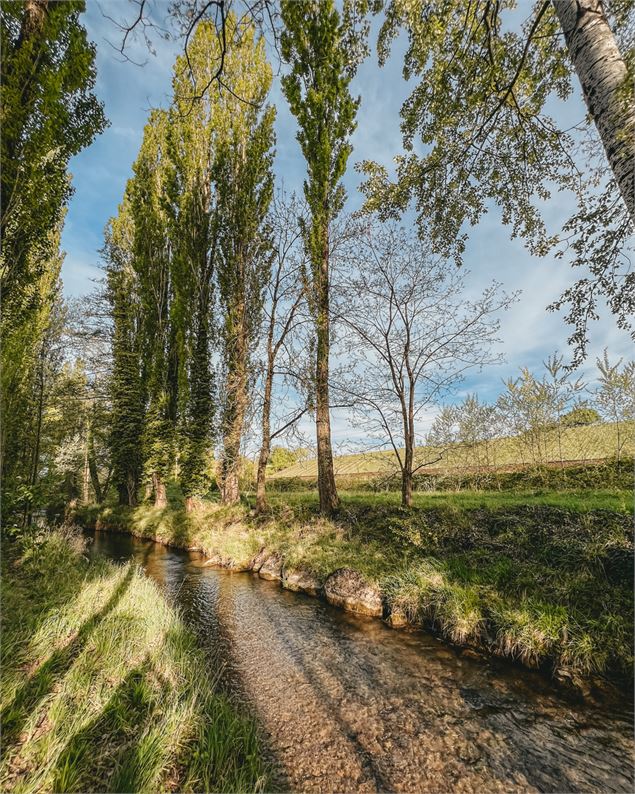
[[104, 688]]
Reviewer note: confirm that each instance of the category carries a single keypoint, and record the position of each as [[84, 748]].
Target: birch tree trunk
[[608, 91]]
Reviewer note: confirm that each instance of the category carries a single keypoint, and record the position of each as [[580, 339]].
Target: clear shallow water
[[346, 704]]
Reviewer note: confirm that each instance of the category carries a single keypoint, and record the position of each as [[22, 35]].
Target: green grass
[[542, 578], [589, 442], [104, 688], [609, 499]]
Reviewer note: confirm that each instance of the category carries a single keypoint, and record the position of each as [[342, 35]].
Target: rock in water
[[301, 581], [349, 590], [271, 568]]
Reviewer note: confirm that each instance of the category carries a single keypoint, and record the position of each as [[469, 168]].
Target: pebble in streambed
[[348, 705]]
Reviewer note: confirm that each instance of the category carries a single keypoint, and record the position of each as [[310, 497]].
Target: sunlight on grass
[[105, 689]]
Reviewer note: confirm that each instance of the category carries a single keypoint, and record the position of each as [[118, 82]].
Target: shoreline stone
[[271, 569], [300, 580], [347, 588]]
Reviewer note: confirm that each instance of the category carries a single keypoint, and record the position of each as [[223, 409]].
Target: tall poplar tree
[[195, 130], [317, 43], [151, 260], [126, 392], [244, 183]]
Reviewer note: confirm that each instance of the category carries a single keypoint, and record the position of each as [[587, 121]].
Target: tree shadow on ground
[[43, 680], [122, 746]]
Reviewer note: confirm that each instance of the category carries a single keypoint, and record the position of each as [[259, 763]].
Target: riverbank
[[545, 585], [103, 687]]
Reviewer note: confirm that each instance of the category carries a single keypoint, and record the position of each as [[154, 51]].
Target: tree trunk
[[86, 478], [192, 504], [329, 500], [35, 464], [406, 483], [160, 494], [265, 449], [606, 86], [237, 387]]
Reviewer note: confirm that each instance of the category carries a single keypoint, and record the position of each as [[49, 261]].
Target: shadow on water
[[347, 704]]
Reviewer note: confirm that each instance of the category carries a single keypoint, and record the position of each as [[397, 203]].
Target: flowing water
[[346, 704]]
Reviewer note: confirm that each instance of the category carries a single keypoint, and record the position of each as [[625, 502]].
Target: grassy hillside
[[589, 442]]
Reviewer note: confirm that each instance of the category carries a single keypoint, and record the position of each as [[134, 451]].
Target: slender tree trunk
[[329, 500], [237, 385], [607, 88], [160, 493], [94, 477], [265, 449], [122, 492], [406, 480], [86, 477]]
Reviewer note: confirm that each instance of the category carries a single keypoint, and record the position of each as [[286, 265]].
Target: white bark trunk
[[602, 72]]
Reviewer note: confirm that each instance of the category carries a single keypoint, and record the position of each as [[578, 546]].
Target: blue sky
[[529, 333]]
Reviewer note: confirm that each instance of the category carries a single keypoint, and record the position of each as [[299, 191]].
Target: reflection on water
[[346, 704]]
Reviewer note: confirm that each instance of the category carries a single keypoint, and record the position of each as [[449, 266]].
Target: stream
[[346, 704]]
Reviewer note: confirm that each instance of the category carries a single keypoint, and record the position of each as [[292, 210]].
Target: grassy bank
[[103, 687], [547, 583]]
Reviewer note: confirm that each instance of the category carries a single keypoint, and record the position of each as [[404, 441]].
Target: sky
[[528, 332]]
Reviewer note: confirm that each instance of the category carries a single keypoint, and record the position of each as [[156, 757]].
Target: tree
[[533, 409], [479, 111], [606, 85], [322, 52], [151, 261], [466, 430], [244, 182], [410, 335], [580, 417], [615, 397], [49, 113], [126, 392], [194, 134], [285, 294]]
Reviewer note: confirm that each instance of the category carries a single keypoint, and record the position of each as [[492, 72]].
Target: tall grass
[[103, 686]]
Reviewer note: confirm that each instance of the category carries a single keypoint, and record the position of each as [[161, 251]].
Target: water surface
[[346, 704]]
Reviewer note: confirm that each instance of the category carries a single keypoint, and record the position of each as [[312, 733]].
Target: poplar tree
[[126, 393], [195, 128], [151, 261], [48, 113], [244, 183], [318, 44]]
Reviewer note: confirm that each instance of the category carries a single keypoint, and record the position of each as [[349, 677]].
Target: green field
[[585, 443]]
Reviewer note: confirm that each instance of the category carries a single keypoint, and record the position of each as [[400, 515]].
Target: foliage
[[477, 133], [322, 49], [245, 188], [49, 113]]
